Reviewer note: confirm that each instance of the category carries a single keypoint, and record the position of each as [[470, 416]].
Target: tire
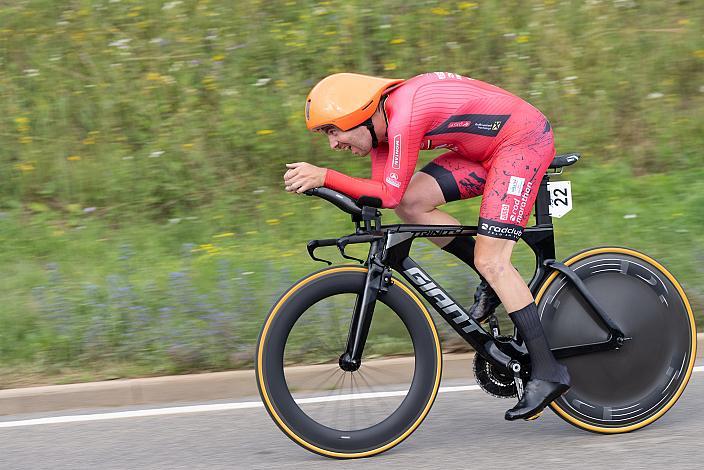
[[275, 380], [626, 389]]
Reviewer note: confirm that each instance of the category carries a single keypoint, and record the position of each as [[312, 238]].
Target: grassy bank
[[142, 223], [84, 299]]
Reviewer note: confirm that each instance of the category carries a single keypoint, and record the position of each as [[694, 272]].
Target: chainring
[[494, 381]]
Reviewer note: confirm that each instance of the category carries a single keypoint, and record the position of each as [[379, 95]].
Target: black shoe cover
[[538, 394], [485, 302]]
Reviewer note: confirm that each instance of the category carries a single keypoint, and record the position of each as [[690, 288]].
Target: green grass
[[143, 225]]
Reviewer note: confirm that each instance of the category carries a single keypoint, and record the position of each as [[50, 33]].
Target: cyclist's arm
[[398, 158]]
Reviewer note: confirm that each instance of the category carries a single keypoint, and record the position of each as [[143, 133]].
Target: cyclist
[[499, 147]]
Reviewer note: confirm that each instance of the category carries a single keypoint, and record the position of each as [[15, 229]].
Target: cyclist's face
[[357, 140]]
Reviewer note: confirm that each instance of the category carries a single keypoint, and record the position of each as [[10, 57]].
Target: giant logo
[[440, 299]]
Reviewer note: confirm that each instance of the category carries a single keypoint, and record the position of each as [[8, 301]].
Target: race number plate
[[560, 198]]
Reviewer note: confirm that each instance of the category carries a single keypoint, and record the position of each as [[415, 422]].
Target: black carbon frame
[[389, 249]]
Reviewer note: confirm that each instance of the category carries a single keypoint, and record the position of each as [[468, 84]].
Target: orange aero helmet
[[345, 100]]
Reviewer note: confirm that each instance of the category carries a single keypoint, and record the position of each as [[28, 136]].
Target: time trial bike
[[614, 316]]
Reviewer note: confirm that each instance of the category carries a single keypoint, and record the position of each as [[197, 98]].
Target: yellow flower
[[25, 139], [522, 39], [253, 232], [265, 132], [397, 41], [22, 120], [153, 77], [440, 11], [218, 58], [465, 5], [699, 53], [390, 66], [186, 146], [74, 158], [209, 82], [683, 21], [223, 235], [89, 140], [25, 167], [273, 221]]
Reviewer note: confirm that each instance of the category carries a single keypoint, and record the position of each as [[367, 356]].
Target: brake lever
[[341, 244], [313, 244]]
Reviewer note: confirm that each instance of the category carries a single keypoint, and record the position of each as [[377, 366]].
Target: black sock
[[543, 363], [462, 248]]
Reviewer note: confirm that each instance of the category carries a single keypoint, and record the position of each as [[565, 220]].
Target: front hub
[[348, 364]]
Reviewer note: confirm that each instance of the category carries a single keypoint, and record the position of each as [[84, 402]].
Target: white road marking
[[217, 407]]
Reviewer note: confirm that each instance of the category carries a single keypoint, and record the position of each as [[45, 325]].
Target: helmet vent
[[308, 110]]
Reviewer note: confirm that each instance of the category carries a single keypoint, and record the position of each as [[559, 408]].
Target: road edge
[[232, 385]]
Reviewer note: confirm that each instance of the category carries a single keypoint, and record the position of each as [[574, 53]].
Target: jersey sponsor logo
[[396, 156], [392, 179], [452, 125], [504, 211], [450, 75], [515, 186], [499, 230], [519, 205], [488, 125]]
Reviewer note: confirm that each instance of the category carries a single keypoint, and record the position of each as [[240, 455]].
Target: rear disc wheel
[[625, 389]]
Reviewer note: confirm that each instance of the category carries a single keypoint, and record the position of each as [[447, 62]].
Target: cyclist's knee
[[412, 208], [490, 264]]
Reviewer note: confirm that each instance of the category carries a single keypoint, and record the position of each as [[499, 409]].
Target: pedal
[[516, 369], [494, 325]]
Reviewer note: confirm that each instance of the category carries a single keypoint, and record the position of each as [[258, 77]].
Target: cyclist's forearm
[[357, 187]]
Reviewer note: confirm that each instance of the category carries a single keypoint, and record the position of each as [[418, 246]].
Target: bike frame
[[389, 250]]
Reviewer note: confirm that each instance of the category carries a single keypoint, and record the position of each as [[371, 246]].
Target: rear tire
[[309, 429], [626, 389]]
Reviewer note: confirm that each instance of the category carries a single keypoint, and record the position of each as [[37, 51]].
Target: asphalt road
[[464, 430]]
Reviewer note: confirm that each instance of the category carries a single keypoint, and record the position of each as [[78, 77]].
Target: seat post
[[542, 203]]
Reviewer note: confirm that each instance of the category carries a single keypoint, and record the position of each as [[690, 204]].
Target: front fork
[[378, 280]]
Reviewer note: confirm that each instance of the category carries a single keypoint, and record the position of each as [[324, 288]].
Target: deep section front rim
[[278, 400]]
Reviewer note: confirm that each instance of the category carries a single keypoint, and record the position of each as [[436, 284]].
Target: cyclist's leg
[[513, 179], [447, 178]]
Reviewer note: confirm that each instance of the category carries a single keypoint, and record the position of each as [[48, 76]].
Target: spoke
[[353, 408], [320, 384], [387, 373], [336, 403], [389, 407]]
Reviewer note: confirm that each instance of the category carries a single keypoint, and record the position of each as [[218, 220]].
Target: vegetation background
[[143, 224]]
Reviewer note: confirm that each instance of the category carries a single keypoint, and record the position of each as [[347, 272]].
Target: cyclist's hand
[[302, 176]]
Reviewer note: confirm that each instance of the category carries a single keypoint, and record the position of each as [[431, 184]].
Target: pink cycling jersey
[[499, 147]]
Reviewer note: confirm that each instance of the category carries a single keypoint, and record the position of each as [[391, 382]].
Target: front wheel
[[339, 413], [625, 389]]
